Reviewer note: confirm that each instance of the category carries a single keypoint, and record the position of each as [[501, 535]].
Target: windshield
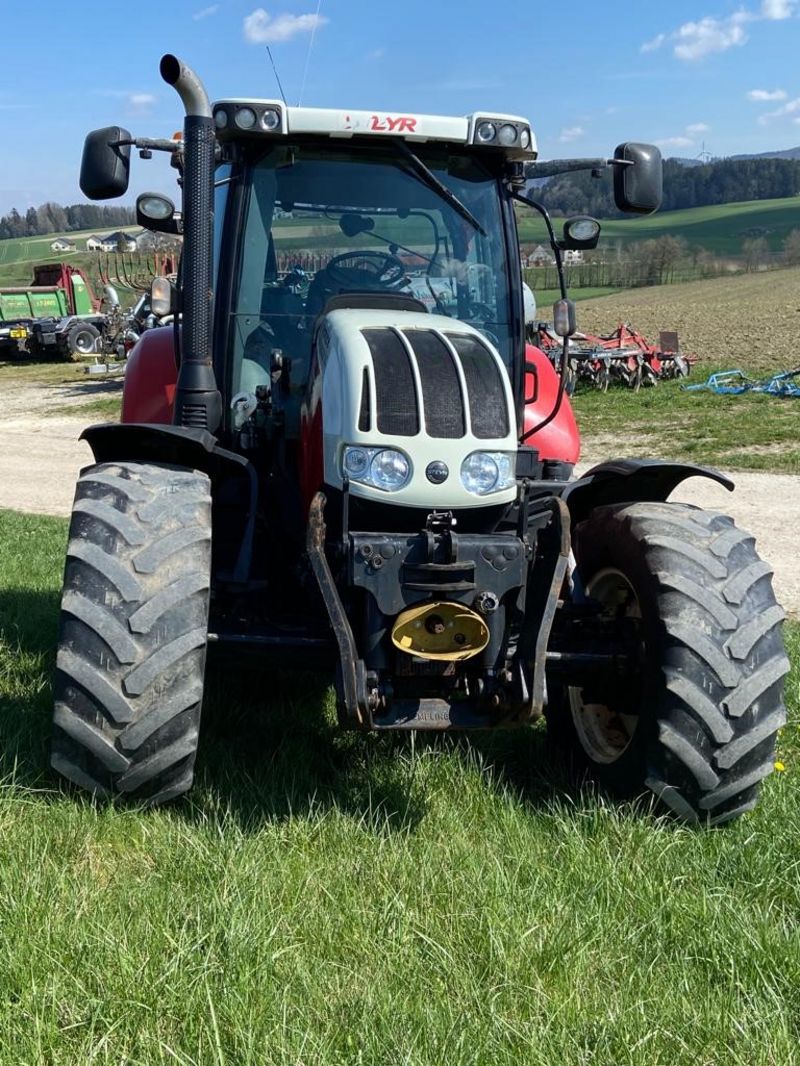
[[322, 220]]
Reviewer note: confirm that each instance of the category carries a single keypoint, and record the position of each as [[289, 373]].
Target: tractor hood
[[430, 391]]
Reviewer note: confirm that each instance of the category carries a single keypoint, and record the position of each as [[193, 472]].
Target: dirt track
[[41, 457]]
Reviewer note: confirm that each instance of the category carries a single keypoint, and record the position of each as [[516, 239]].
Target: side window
[[220, 200]]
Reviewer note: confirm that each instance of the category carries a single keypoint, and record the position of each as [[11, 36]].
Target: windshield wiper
[[427, 177]]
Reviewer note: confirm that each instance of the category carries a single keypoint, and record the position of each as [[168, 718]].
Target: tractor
[[342, 454]]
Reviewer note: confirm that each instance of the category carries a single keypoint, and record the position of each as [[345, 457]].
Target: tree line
[[722, 182], [55, 218]]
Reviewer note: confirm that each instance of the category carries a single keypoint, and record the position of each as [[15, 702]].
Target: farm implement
[[336, 472], [623, 357], [736, 382]]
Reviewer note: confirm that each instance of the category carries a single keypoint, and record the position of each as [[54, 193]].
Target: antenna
[[277, 76], [308, 53]]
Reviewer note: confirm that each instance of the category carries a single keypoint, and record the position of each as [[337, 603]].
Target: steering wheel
[[365, 270]]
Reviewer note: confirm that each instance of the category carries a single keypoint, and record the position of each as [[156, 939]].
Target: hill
[[726, 181], [720, 228]]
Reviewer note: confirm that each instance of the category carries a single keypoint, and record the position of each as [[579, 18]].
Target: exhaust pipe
[[198, 404]]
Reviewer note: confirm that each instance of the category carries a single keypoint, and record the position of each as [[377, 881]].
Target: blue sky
[[588, 73]]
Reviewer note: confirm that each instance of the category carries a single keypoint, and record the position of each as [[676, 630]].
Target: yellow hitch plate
[[443, 631]]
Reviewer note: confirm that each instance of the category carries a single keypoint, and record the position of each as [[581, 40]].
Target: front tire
[[697, 724], [134, 621]]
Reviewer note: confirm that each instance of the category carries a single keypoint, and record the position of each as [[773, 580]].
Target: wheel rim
[[605, 733], [84, 343]]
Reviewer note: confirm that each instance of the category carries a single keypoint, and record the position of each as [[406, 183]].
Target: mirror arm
[[159, 144], [551, 169]]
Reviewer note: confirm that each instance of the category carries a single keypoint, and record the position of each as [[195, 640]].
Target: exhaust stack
[[198, 403]]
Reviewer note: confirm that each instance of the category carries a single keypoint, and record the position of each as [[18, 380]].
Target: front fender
[[632, 481], [155, 443]]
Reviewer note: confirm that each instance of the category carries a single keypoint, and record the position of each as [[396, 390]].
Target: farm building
[[62, 244], [540, 256], [111, 242]]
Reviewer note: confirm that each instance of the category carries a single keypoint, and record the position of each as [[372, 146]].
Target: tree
[[755, 252], [791, 248]]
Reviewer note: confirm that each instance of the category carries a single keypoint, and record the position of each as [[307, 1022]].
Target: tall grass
[[337, 899]]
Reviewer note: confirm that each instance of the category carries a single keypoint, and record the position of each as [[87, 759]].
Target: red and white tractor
[[343, 452]]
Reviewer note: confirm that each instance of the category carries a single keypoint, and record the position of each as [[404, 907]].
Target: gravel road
[[41, 457]]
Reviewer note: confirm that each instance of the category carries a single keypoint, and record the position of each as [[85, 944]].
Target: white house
[[62, 244], [111, 242]]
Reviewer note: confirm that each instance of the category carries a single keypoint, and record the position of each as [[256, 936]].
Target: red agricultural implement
[[364, 467], [624, 356]]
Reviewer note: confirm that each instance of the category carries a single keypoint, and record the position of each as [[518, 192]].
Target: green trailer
[[57, 315]]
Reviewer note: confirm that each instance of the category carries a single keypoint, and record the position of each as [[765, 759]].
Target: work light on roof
[[507, 135], [271, 119], [245, 118], [486, 132]]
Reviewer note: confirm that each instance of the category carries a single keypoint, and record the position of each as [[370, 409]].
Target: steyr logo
[[392, 124]]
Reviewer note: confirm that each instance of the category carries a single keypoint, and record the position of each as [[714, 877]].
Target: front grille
[[441, 389], [398, 406], [396, 395], [487, 399]]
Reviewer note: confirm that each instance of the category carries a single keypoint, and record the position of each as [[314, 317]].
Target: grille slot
[[397, 406], [364, 414], [441, 388], [487, 399]]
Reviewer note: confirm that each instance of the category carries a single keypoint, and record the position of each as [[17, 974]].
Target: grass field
[[749, 323], [37, 249], [721, 229], [332, 899]]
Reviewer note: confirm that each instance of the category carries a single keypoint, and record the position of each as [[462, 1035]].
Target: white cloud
[[376, 53], [766, 95], [777, 10], [694, 40], [698, 127], [675, 142], [709, 35], [571, 133], [140, 103], [205, 12], [791, 107], [261, 28]]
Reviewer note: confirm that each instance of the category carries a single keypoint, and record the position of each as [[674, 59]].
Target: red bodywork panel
[[560, 438], [57, 275], [148, 394]]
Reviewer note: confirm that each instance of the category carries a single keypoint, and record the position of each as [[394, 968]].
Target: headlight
[[220, 118], [270, 120], [485, 472], [383, 468], [525, 139], [486, 132]]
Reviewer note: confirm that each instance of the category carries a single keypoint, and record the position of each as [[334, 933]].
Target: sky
[[719, 76]]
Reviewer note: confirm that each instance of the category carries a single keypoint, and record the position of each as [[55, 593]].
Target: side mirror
[[162, 297], [157, 213], [106, 164], [638, 183]]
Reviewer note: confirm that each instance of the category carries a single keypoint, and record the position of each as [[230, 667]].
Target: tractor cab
[[368, 283]]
